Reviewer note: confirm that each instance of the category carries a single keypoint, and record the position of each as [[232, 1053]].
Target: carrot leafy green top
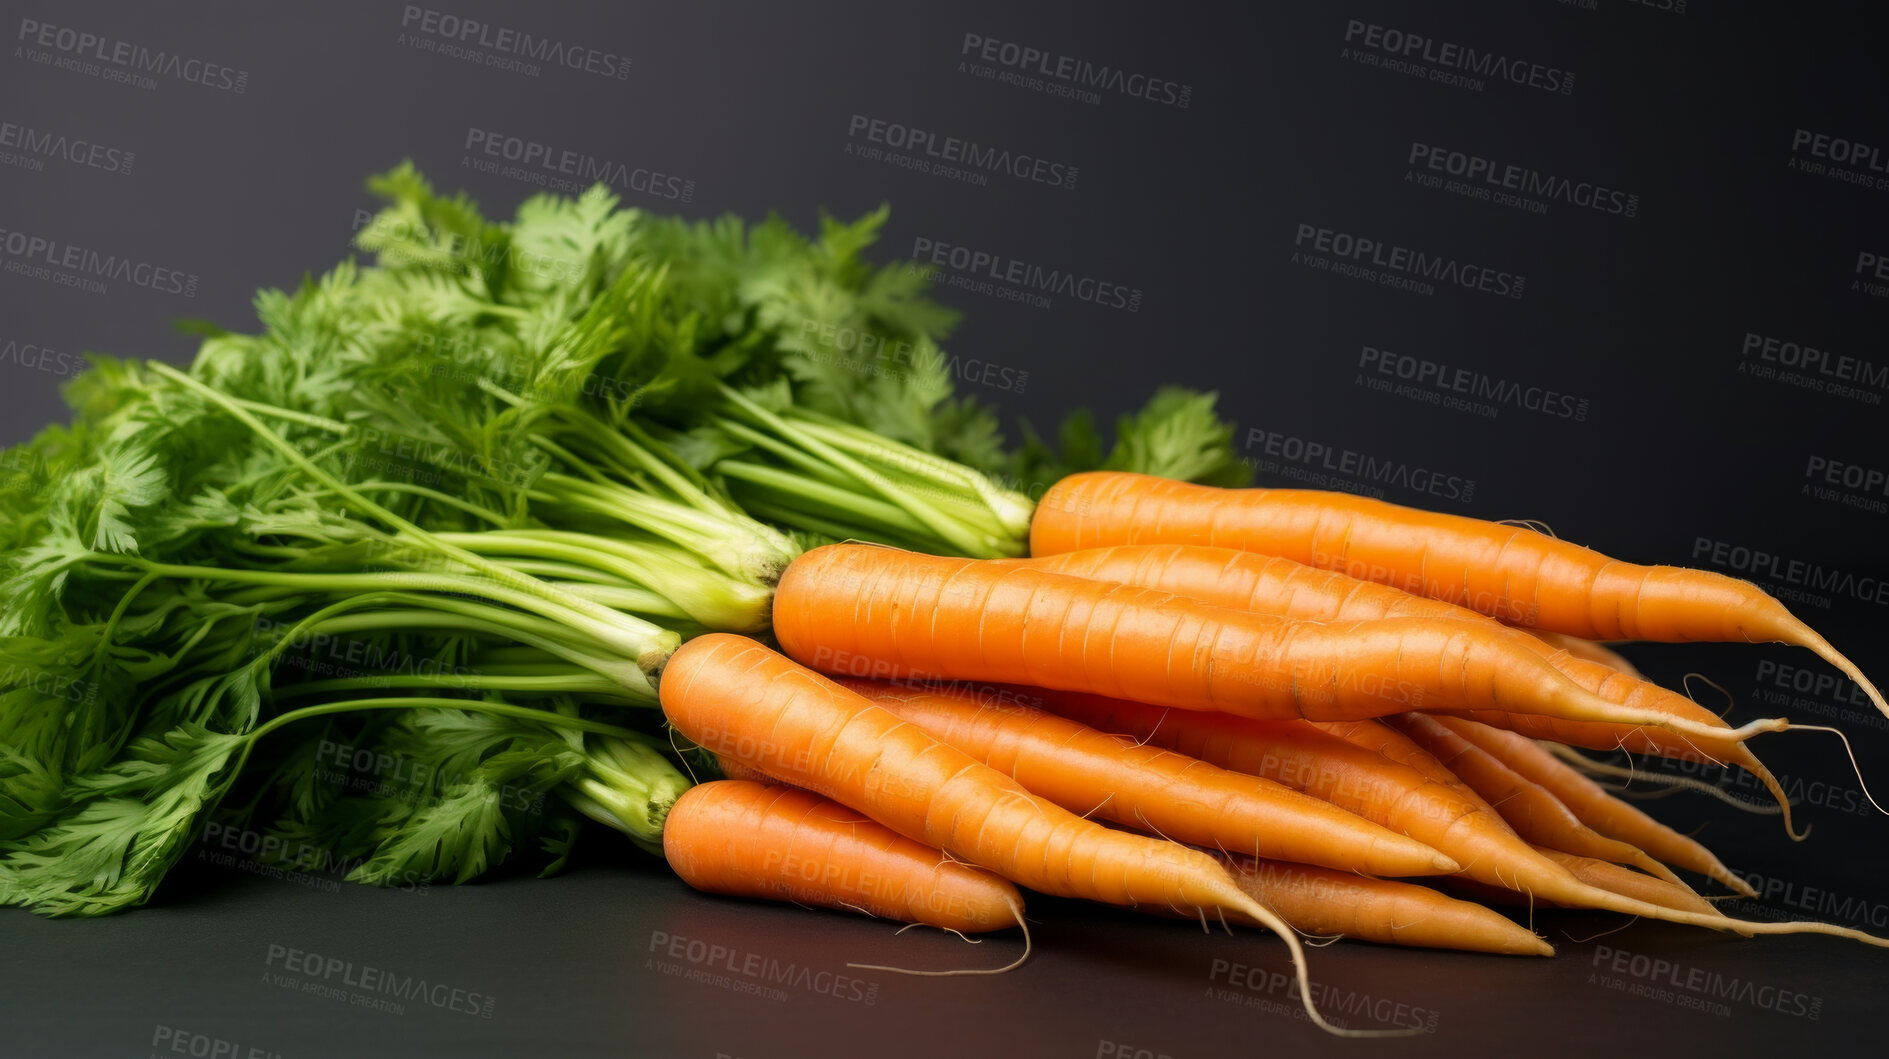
[[454, 508]]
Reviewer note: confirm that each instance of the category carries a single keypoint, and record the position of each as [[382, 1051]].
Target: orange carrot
[[1593, 767], [749, 839], [1502, 793], [1300, 756], [1629, 883], [1590, 651], [1402, 799], [872, 611], [1100, 775], [1600, 874], [1534, 813], [738, 699], [1591, 802], [1321, 901], [1227, 577], [1510, 572], [1379, 737], [1271, 585], [1658, 742]]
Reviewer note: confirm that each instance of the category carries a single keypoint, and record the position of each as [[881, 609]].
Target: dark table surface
[[1679, 431], [621, 959]]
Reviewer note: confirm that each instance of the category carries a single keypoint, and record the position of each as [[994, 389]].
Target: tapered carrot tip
[[1811, 640], [1758, 616], [1323, 901], [1629, 883]]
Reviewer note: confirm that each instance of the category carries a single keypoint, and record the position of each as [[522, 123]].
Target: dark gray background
[[1692, 111]]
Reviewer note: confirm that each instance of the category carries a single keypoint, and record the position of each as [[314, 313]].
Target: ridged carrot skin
[[1591, 651], [1228, 577], [1538, 815], [748, 839], [1321, 901], [1266, 584], [1595, 806], [1535, 814], [1095, 774], [1655, 741], [1629, 883], [1300, 756], [880, 612], [1500, 792], [1518, 575], [1402, 799], [1271, 585], [1379, 737], [738, 699], [1603, 875]]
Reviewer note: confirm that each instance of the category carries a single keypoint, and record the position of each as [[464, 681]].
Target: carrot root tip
[[1015, 910], [1856, 768]]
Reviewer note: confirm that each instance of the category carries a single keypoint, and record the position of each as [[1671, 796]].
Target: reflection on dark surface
[[621, 959]]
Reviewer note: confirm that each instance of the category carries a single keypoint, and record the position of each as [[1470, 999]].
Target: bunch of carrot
[[1265, 706]]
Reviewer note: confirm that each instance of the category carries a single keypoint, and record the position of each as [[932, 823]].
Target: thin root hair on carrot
[[1669, 784], [1530, 524], [1582, 941], [1685, 684], [1302, 971], [1780, 726], [1143, 817], [680, 756], [1107, 798], [962, 936], [1851, 751], [1015, 910], [1144, 741]]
